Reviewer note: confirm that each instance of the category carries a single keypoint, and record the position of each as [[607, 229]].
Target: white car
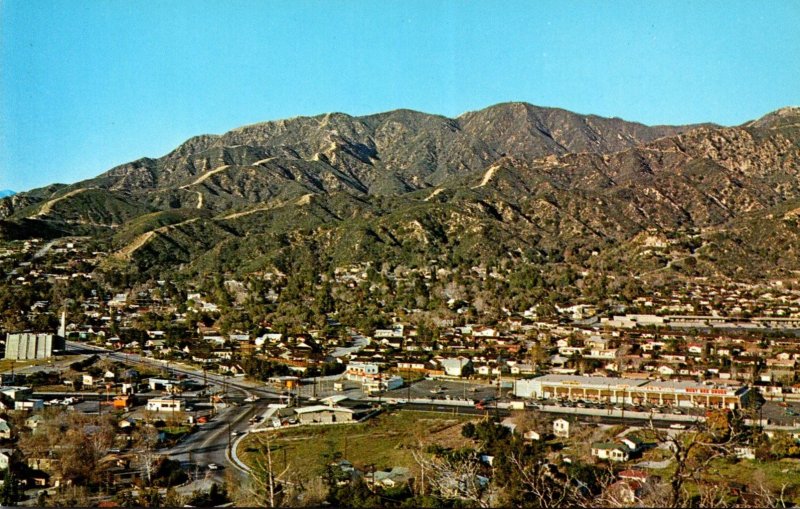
[[213, 466]]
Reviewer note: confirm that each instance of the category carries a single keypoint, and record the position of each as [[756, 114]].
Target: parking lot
[[781, 413], [617, 407], [445, 389]]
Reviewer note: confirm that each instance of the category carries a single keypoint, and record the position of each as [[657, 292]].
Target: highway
[[210, 443], [243, 387]]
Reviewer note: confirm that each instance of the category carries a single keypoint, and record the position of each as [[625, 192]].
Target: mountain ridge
[[513, 174]]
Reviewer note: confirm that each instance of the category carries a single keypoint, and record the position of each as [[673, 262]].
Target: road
[[210, 443], [242, 387]]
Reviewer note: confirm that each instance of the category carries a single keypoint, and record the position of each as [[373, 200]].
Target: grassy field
[[772, 473], [749, 473], [385, 441], [7, 364]]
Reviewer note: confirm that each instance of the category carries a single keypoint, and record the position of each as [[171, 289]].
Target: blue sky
[[88, 85]]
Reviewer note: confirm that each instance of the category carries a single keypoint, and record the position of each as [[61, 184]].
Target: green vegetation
[[385, 441]]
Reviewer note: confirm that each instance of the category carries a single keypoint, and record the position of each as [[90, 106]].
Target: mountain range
[[546, 183]]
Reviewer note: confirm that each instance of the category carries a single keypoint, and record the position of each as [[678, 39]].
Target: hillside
[[408, 186]]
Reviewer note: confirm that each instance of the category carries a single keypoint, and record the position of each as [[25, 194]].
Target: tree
[[10, 491], [266, 486], [145, 442], [692, 453], [454, 478]]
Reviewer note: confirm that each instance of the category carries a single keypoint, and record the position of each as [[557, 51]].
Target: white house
[[745, 452], [666, 370], [522, 369], [5, 430], [455, 366], [532, 435], [561, 428], [610, 451], [5, 458]]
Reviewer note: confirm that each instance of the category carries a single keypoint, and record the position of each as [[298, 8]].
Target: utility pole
[[408, 385], [497, 401]]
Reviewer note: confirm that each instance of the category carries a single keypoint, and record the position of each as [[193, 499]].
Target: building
[[35, 345], [456, 366], [5, 430], [29, 405], [633, 392], [31, 345], [561, 428], [383, 384], [610, 451], [323, 414], [5, 458], [361, 371], [166, 405]]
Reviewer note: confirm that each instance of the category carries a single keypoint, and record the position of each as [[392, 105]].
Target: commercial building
[[323, 414], [29, 345], [633, 392], [35, 345], [383, 384], [361, 371], [166, 405]]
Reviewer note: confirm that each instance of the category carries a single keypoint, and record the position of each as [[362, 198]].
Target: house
[[412, 365], [33, 421], [5, 430], [455, 366], [397, 476], [561, 428], [532, 435], [343, 472], [745, 452], [5, 458], [522, 369], [633, 443], [610, 451], [666, 370]]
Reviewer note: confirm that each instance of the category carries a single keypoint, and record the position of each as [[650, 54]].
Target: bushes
[[84, 364]]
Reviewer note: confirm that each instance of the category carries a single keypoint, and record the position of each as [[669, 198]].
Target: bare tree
[[146, 456], [546, 486], [265, 485], [692, 451], [454, 478]]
